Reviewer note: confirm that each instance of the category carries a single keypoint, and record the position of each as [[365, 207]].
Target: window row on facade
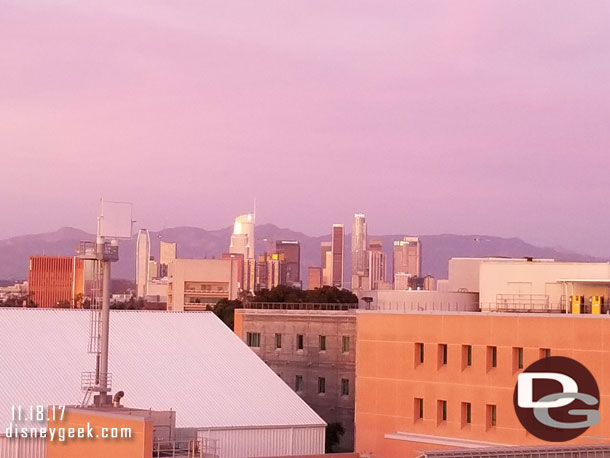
[[466, 356], [253, 339], [299, 385], [465, 413]]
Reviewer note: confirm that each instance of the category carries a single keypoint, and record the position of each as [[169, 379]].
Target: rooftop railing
[[301, 306], [200, 448]]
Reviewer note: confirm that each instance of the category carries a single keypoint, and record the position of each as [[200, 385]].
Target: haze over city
[[483, 117]]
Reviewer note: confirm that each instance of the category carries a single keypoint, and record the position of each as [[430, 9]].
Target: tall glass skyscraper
[[359, 258], [242, 242], [142, 262]]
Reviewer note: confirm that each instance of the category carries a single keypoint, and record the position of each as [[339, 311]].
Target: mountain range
[[200, 243]]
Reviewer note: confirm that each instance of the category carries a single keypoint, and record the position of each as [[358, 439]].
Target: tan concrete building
[[526, 284], [419, 300], [194, 284], [167, 253], [313, 351]]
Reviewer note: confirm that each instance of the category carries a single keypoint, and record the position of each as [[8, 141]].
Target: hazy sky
[[482, 116]]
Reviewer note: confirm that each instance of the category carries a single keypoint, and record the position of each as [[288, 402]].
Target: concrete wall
[[214, 271], [414, 300], [464, 274], [390, 376], [310, 363], [538, 279]]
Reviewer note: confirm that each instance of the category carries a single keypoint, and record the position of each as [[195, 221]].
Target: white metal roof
[[186, 361]]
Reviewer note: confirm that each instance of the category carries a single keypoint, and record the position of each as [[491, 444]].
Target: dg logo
[[556, 399]]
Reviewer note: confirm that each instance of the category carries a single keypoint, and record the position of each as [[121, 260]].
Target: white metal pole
[[105, 330]]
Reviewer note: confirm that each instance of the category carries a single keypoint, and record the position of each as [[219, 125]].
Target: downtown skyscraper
[[359, 251], [142, 262], [337, 255], [242, 242]]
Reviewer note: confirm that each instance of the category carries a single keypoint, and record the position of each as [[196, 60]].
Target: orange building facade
[[446, 380], [56, 280], [114, 435]]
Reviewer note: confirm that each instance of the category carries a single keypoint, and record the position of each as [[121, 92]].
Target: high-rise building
[[153, 269], [142, 262], [239, 260], [377, 264], [168, 253], [242, 242], [269, 270], [314, 277], [359, 258], [195, 284], [407, 257], [337, 249], [56, 281], [326, 262], [291, 252]]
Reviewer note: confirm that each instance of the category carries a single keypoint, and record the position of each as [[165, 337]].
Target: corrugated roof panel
[[189, 362]]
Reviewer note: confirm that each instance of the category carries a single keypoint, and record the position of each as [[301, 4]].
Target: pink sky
[[429, 116]]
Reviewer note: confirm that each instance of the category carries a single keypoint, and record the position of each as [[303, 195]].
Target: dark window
[[345, 344], [443, 354], [419, 408], [253, 339], [299, 341], [344, 387], [442, 411], [298, 383], [466, 413], [466, 356], [491, 416], [278, 341], [322, 343], [321, 385]]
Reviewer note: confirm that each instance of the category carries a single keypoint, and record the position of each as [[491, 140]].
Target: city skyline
[[506, 92]]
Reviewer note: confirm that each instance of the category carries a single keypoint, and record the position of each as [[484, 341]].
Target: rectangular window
[[442, 411], [419, 409], [322, 343], [321, 385], [443, 354], [345, 342], [278, 340], [545, 352], [517, 358], [492, 358], [419, 353], [491, 416], [466, 413], [298, 383], [253, 339], [466, 356], [300, 343], [344, 387]]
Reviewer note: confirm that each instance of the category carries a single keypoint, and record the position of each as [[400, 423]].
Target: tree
[[225, 310], [325, 294], [334, 431]]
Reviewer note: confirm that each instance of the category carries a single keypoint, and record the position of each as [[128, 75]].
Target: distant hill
[[200, 243]]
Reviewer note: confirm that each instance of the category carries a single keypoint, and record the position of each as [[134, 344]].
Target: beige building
[[419, 300], [167, 253], [526, 284], [313, 351], [407, 257], [193, 284]]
